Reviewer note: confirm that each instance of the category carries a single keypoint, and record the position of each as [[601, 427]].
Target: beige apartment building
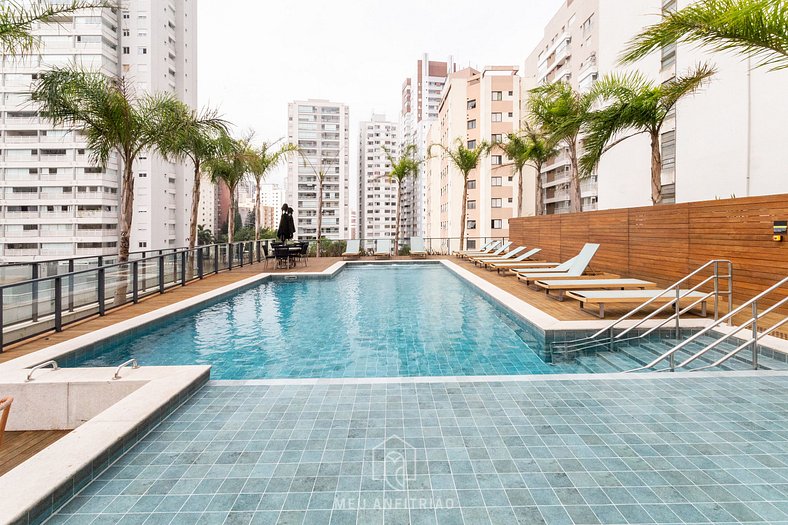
[[475, 106]]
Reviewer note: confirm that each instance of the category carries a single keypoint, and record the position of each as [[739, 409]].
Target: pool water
[[367, 321]]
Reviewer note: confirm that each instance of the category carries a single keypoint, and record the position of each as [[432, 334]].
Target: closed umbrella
[[290, 223], [283, 232]]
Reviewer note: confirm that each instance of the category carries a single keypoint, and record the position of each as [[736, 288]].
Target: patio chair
[[561, 286], [501, 248], [600, 298], [508, 255], [268, 255], [487, 248], [5, 409], [576, 268], [382, 249], [303, 254], [500, 264], [417, 248], [353, 249], [282, 256]]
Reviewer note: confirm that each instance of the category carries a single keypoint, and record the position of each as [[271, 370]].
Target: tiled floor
[[646, 450]]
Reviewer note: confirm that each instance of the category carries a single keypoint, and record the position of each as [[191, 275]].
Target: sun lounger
[[382, 249], [487, 248], [519, 260], [502, 248], [353, 250], [417, 247], [539, 266], [5, 409], [576, 267], [563, 285], [605, 297], [503, 257]]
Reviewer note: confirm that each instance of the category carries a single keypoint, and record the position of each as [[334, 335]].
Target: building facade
[[476, 106], [56, 201], [320, 129], [421, 96], [208, 212], [377, 195]]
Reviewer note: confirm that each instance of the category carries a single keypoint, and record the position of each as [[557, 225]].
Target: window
[[472, 124], [126, 32], [471, 205], [496, 224], [669, 152], [510, 114], [142, 50], [496, 181], [511, 93], [497, 95], [472, 144], [471, 224], [143, 244], [126, 50], [496, 138], [472, 104], [497, 160], [497, 117], [496, 203], [471, 184], [143, 175]]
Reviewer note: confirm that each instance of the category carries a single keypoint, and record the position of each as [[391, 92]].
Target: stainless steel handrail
[[592, 340], [753, 340], [670, 353], [51, 363], [130, 362]]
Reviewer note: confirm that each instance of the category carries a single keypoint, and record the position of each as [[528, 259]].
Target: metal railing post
[[229, 256], [161, 273], [183, 268], [1, 320], [716, 289], [215, 258], [754, 343], [241, 253], [34, 293], [100, 260], [71, 286], [199, 262], [730, 287], [58, 304], [101, 290], [259, 250], [174, 268], [135, 282]]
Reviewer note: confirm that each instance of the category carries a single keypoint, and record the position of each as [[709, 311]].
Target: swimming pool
[[374, 320]]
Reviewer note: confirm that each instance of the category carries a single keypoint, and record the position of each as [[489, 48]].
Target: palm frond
[[754, 28], [686, 84]]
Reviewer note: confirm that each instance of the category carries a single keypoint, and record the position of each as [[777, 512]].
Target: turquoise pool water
[[368, 321]]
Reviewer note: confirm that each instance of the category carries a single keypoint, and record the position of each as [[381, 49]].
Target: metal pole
[[611, 340], [241, 253], [1, 320], [716, 289], [161, 274], [199, 262], [71, 286], [34, 293], [229, 256], [174, 267], [101, 290], [259, 244], [135, 282], [183, 268], [730, 287], [754, 343], [58, 304], [215, 258]]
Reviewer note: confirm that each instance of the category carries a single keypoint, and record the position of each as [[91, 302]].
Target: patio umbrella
[[290, 223], [283, 232]]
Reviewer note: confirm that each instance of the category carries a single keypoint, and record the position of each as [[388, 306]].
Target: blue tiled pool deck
[[669, 450]]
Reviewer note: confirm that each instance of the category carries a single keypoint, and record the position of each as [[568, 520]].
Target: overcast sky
[[257, 55]]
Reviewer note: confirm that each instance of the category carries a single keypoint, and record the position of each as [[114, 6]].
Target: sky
[[255, 56]]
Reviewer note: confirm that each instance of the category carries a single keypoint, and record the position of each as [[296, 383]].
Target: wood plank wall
[[665, 243]]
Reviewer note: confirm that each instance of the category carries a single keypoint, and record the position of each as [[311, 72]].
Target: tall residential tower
[[377, 196]]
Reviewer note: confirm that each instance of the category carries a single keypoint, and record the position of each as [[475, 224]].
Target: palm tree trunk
[[464, 210], [231, 218], [126, 216], [396, 219], [520, 193], [539, 197], [257, 219], [575, 197], [656, 169], [193, 219], [319, 212]]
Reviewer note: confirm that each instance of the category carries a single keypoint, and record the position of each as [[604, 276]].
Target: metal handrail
[[130, 362], [750, 303], [51, 363], [591, 341], [751, 341]]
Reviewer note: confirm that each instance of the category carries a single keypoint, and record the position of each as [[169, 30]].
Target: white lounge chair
[[576, 268], [493, 258], [519, 260], [353, 249], [604, 297], [487, 248], [382, 249], [417, 248], [561, 286], [502, 248]]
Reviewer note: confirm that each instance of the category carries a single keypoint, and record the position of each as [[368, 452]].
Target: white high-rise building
[[55, 201], [320, 128], [271, 195], [377, 196], [208, 213]]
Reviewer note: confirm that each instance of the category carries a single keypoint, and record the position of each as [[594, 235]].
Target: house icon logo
[[393, 462]]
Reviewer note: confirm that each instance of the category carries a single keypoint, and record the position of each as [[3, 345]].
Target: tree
[[529, 147], [17, 19], [631, 105], [465, 160], [562, 112], [757, 29], [406, 165], [230, 167], [196, 140], [250, 221], [114, 120], [264, 160], [204, 235]]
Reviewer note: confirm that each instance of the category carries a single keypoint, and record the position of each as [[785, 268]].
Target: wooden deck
[[20, 446]]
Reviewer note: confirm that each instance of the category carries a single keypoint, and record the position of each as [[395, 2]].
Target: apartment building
[[56, 202], [476, 106], [208, 211], [377, 195], [321, 129], [421, 96]]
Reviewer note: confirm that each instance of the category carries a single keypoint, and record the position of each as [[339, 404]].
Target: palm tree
[[113, 119], [263, 160], [529, 147], [757, 29], [632, 105], [465, 160], [17, 19], [402, 167], [562, 112], [204, 235], [230, 167], [196, 140]]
